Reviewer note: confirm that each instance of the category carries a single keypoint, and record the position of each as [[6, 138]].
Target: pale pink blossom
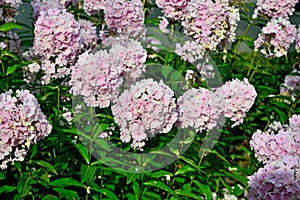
[[22, 123], [144, 110]]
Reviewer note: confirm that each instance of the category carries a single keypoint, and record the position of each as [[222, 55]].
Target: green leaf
[[74, 130], [246, 63], [282, 115], [131, 196], [50, 197], [160, 152], [220, 156], [189, 161], [34, 150], [7, 189], [297, 110], [101, 143], [162, 186], [266, 88], [64, 182], [205, 189], [47, 166], [2, 176], [165, 70], [248, 40], [161, 47], [238, 177], [108, 193], [184, 170], [88, 174], [45, 177], [24, 186], [236, 138], [237, 190], [154, 21], [188, 194], [131, 177], [68, 194], [282, 105], [12, 69], [160, 174], [151, 195], [136, 188], [9, 54], [179, 180], [9, 26], [84, 152]]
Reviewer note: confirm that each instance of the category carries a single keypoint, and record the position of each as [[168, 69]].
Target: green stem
[[87, 196], [101, 20], [172, 30], [101, 182], [140, 188], [170, 47], [173, 177], [144, 4], [58, 100], [267, 125], [3, 69], [200, 160], [293, 105], [254, 71], [4, 74], [79, 7], [237, 48], [252, 61], [104, 116]]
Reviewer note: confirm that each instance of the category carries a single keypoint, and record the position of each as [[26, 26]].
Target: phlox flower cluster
[[88, 34], [279, 149], [126, 17], [43, 5], [278, 180], [197, 109], [275, 38], [30, 71], [57, 34], [21, 123], [93, 6], [211, 23], [268, 147], [291, 85], [235, 99], [58, 41], [294, 123], [124, 61], [132, 56], [275, 9], [174, 9], [145, 109], [163, 24], [12, 3], [298, 40], [7, 13], [96, 77], [67, 115], [13, 43], [190, 51]]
